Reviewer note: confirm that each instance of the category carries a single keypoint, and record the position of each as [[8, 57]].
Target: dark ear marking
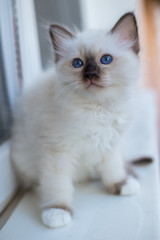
[[59, 34], [127, 29]]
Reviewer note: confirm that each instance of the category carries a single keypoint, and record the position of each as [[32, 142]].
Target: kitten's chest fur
[[93, 128], [92, 132]]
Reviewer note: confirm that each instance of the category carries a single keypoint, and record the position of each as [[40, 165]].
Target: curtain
[[149, 22]]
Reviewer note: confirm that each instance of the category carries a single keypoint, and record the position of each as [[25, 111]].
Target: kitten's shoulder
[[39, 94], [42, 87], [44, 81]]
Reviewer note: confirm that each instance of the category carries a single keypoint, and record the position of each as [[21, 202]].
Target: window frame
[[24, 13]]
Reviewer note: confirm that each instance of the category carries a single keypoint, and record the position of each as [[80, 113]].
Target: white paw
[[131, 186], [55, 217]]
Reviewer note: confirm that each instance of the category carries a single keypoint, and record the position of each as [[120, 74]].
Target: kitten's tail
[[142, 161]]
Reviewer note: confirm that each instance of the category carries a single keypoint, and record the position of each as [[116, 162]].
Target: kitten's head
[[97, 64]]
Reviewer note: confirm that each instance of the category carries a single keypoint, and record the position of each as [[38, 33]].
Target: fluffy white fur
[[65, 132]]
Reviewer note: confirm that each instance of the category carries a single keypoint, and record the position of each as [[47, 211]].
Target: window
[[19, 64], [8, 73]]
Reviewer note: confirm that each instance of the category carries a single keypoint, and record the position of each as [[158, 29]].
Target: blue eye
[[77, 63], [106, 59]]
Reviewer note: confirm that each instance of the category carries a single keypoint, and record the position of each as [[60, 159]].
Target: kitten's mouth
[[93, 84]]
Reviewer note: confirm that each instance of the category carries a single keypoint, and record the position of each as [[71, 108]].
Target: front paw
[[55, 217], [129, 186]]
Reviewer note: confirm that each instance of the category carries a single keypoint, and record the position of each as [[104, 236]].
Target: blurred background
[[26, 51], [83, 14]]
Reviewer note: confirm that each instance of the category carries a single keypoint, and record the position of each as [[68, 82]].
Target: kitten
[[69, 127]]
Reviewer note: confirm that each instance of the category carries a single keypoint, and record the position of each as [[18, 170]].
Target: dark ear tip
[[60, 28], [51, 31], [51, 27], [128, 24], [132, 15], [129, 14]]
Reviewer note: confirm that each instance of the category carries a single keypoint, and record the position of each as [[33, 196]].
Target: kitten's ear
[[127, 31], [59, 36]]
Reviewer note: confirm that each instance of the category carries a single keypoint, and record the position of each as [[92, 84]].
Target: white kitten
[[68, 127]]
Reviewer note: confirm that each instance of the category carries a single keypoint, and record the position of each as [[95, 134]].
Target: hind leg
[[115, 177]]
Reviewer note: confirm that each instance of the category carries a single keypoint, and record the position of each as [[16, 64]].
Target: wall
[[104, 13]]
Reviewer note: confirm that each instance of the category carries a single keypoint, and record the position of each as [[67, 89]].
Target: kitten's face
[[97, 64]]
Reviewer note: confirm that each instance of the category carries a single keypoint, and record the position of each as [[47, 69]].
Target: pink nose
[[91, 80]]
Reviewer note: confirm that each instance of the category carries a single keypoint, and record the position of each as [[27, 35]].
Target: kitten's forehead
[[93, 42], [91, 36], [89, 39]]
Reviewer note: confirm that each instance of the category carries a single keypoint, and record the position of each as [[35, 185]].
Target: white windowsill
[[97, 216]]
